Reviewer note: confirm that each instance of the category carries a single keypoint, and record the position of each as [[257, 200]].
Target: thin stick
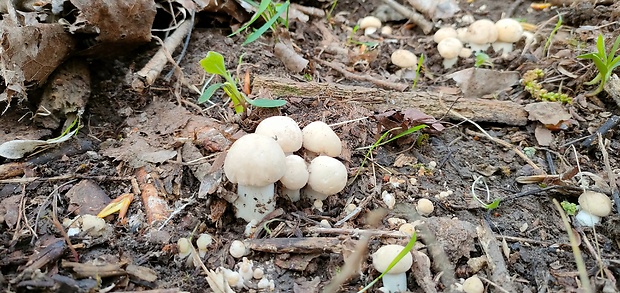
[[413, 16], [59, 226], [348, 75], [149, 73], [581, 266], [610, 174]]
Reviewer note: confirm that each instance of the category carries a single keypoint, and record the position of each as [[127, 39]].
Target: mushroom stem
[[313, 194], [293, 194], [395, 282], [505, 47], [254, 202], [449, 63]]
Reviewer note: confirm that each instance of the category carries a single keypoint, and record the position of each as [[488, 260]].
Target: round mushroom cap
[[382, 258], [404, 59], [449, 48], [284, 130], [318, 137], [296, 175], [255, 160], [425, 207], [595, 203], [327, 175], [482, 31], [370, 21], [509, 30], [473, 285], [443, 33]]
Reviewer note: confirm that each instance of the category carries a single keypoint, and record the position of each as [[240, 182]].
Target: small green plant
[[352, 41], [569, 207], [380, 142], [213, 63], [557, 27], [487, 206], [402, 254], [417, 72], [531, 84], [604, 61], [274, 15], [331, 10], [482, 59]]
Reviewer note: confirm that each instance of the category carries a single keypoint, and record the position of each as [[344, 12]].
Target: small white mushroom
[[327, 176], [509, 32], [386, 30], [425, 207], [237, 249], [203, 241], [444, 33], [449, 49], [388, 199], [481, 34], [404, 59], [465, 53], [184, 247], [295, 178], [284, 130], [407, 228], [473, 285], [255, 162], [370, 24], [245, 269], [319, 138], [258, 273], [396, 279], [593, 205]]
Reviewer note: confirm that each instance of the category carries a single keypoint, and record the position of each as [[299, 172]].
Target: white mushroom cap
[[449, 49], [284, 130], [473, 285], [443, 33], [465, 53], [481, 34], [395, 280], [237, 249], [319, 138], [509, 30], [255, 160], [203, 241], [296, 176], [595, 203], [327, 176], [370, 24], [404, 59], [382, 258], [183, 246], [425, 207], [386, 30]]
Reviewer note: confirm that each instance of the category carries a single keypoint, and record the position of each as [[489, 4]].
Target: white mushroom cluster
[[246, 274], [478, 37], [257, 161]]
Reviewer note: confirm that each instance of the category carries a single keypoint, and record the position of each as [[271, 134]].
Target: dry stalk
[[413, 16], [348, 75], [581, 266]]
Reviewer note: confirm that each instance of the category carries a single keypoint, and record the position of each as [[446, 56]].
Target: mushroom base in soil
[[251, 203]]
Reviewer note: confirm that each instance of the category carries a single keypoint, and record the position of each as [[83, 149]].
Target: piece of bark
[[83, 270], [430, 102], [496, 266], [297, 245], [570, 2]]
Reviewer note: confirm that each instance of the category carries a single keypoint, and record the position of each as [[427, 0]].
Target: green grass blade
[[600, 47], [264, 4], [264, 103], [208, 93], [614, 49], [214, 63], [259, 32], [404, 133], [587, 56], [404, 252]]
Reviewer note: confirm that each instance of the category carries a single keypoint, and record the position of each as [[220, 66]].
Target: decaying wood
[[497, 267], [571, 2], [429, 102], [413, 16], [155, 206], [95, 271], [297, 245]]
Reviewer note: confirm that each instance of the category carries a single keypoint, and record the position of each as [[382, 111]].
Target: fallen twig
[[155, 206], [348, 75], [149, 73], [497, 267], [413, 16], [379, 100], [610, 174]]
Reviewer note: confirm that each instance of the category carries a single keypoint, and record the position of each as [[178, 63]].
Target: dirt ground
[[523, 244]]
